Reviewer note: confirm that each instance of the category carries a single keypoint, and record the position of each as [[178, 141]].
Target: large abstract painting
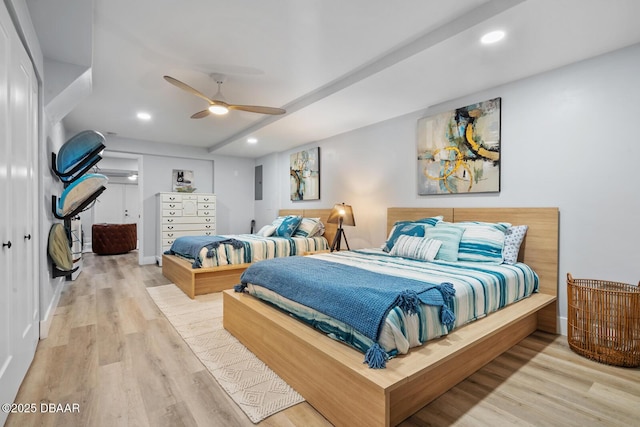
[[304, 173], [459, 150]]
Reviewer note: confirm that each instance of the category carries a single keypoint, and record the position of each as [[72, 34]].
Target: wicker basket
[[604, 321]]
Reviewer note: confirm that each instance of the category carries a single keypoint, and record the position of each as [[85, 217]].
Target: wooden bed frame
[[332, 377], [200, 281]]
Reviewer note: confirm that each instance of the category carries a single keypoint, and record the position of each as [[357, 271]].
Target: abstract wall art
[[304, 174], [459, 150]]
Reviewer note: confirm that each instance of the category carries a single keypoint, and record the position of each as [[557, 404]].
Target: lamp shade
[[343, 211]]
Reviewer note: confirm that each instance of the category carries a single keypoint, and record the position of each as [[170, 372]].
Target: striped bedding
[[481, 288], [257, 248]]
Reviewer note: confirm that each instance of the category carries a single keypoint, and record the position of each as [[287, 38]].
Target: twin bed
[[215, 278], [331, 375]]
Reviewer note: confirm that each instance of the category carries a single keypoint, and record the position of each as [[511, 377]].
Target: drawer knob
[[7, 245]]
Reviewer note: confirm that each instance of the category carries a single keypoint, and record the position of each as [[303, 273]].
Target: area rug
[[257, 390]]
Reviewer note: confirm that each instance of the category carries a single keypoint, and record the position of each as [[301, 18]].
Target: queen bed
[[223, 270], [332, 376]]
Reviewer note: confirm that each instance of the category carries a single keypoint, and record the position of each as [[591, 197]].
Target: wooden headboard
[[330, 230], [539, 249]]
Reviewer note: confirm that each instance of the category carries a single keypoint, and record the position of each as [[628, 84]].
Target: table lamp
[[341, 214]]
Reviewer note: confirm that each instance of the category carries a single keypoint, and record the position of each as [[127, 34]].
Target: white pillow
[[420, 248], [512, 240], [266, 231]]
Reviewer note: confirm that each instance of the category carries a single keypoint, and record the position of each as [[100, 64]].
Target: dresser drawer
[[206, 199], [206, 212], [172, 206], [172, 234], [188, 220], [171, 198], [171, 213], [188, 227], [206, 206]]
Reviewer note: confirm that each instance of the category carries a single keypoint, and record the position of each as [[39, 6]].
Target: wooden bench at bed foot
[[200, 281]]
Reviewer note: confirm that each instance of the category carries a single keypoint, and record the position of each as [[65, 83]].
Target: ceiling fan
[[217, 103]]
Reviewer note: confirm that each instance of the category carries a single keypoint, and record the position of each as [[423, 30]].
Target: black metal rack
[[67, 178]]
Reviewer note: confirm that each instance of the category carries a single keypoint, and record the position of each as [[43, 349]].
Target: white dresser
[[184, 214]]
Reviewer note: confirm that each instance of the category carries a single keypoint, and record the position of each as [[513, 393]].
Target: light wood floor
[[111, 351]]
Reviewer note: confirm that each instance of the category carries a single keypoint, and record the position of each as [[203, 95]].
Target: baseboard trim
[[45, 322], [148, 260]]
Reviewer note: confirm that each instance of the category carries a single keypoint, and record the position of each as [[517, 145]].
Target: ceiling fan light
[[218, 109]]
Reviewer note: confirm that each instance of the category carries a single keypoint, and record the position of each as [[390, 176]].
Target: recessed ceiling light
[[252, 140], [492, 37], [144, 116]]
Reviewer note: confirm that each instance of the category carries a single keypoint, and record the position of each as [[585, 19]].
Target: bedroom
[[571, 116]]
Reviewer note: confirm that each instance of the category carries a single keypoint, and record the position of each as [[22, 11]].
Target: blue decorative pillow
[[512, 240], [450, 236], [409, 228], [482, 241], [400, 228], [430, 221], [288, 226]]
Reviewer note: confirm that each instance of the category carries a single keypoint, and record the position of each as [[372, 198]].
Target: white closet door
[[8, 379], [18, 285]]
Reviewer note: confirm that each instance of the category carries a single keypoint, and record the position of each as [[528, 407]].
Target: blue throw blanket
[[357, 297], [190, 246]]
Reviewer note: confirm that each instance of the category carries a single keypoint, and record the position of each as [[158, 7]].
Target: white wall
[[568, 141], [229, 178], [50, 288]]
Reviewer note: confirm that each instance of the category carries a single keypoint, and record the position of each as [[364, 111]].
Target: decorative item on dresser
[[184, 214]]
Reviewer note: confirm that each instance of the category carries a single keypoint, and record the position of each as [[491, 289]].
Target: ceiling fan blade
[[187, 88], [257, 109], [201, 114]]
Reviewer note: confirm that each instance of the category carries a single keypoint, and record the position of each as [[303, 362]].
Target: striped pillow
[[309, 227], [450, 236], [482, 241], [409, 228], [419, 248]]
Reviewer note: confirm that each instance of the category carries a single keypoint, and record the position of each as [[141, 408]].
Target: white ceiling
[[335, 65]]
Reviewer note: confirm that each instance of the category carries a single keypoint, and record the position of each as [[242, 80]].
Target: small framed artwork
[[183, 181], [459, 150], [304, 174]]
